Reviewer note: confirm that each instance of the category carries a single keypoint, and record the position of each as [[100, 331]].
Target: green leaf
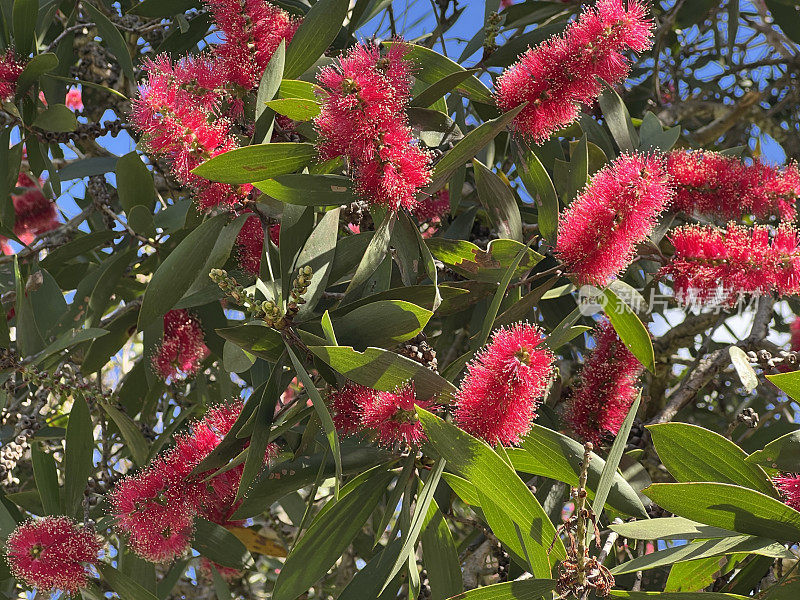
[[34, 68], [297, 109], [499, 202], [271, 79], [729, 507], [618, 120], [290, 476], [630, 329], [528, 589], [468, 147], [24, 19], [438, 89], [368, 581], [125, 587], [704, 549], [489, 265], [539, 185], [381, 324], [297, 223], [614, 456], [262, 424], [113, 39], [69, 339], [319, 28], [318, 253], [653, 138], [78, 464], [259, 340], [162, 8], [218, 544], [322, 412], [179, 270], [384, 370], [373, 255], [432, 68], [421, 507], [787, 382], [478, 463], [46, 476], [669, 528], [294, 88], [134, 183], [676, 595], [257, 162], [692, 453], [94, 165], [327, 538], [134, 439], [491, 312], [309, 190], [554, 455], [56, 117], [782, 454], [440, 556]]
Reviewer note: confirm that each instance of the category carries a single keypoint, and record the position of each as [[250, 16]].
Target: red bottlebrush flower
[[10, 70], [503, 386], [275, 234], [348, 404], [561, 74], [35, 214], [156, 508], [182, 349], [393, 417], [364, 118], [229, 574], [722, 186], [74, 100], [713, 265], [52, 553], [251, 245], [252, 31], [794, 328], [433, 208], [788, 485], [5, 248], [606, 390], [599, 231], [172, 113]]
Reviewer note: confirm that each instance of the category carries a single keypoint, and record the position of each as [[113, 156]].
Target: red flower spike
[[503, 387], [182, 349], [709, 183], [35, 214], [348, 404], [10, 70], [598, 233], [788, 485], [561, 74], [363, 117], [606, 390], [393, 417], [250, 242], [51, 554], [252, 30], [714, 265]]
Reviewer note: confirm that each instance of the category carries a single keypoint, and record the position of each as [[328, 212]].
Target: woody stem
[[580, 510]]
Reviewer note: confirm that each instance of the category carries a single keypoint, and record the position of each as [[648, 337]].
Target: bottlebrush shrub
[[298, 299]]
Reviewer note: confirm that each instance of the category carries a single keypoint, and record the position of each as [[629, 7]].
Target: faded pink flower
[[52, 554], [722, 186], [561, 73], [74, 100], [607, 388], [503, 387], [599, 231], [363, 117], [393, 417]]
